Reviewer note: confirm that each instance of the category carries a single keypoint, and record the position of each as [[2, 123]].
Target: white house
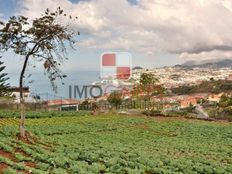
[[15, 92]]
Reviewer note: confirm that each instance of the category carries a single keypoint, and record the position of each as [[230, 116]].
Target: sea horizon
[[39, 83]]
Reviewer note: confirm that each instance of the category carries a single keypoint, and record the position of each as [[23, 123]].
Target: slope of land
[[117, 144]]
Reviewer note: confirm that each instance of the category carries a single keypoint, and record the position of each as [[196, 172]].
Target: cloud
[[215, 54], [200, 49], [189, 28]]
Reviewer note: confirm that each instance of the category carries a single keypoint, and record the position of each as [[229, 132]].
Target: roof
[[63, 102], [17, 89], [189, 98]]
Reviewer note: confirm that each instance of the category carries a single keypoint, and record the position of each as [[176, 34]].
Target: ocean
[[39, 83]]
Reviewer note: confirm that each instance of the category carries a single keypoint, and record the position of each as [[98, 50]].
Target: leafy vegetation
[[42, 114], [115, 99], [147, 79], [221, 110], [121, 144], [213, 86], [225, 101]]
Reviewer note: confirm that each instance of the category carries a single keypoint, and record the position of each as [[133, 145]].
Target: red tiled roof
[[62, 102]]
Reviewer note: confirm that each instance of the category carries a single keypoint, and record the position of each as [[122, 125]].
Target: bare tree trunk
[[22, 119], [22, 129]]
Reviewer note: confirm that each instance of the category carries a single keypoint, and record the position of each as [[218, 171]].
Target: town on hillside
[[171, 91]]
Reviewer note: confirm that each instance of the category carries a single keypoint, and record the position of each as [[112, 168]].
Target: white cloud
[[206, 55], [190, 28]]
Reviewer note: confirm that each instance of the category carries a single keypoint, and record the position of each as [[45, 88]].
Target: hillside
[[212, 63], [116, 144]]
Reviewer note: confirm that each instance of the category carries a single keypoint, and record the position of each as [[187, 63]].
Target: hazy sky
[[155, 32]]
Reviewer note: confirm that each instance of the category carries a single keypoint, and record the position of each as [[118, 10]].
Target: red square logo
[[116, 65], [108, 60], [123, 72]]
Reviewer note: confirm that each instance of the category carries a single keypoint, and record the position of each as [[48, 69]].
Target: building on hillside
[[15, 93], [200, 95], [126, 93], [157, 99], [103, 97], [215, 97], [229, 78], [188, 101], [169, 99], [63, 104], [192, 100], [170, 107]]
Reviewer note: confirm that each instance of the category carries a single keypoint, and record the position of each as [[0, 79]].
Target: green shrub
[[18, 166], [11, 171], [42, 114], [176, 113], [152, 113]]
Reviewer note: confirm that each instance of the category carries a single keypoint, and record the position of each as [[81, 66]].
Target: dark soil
[[3, 167], [7, 155], [30, 164]]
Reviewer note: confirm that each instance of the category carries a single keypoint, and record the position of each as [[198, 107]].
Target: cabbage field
[[116, 144]]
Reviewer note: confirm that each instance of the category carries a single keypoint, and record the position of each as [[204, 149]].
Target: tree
[[43, 39], [147, 84], [115, 98], [225, 101], [147, 79], [4, 86]]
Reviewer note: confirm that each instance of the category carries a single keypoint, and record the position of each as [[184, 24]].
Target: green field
[[116, 144]]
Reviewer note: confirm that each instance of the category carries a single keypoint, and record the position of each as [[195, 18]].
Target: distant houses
[[63, 104], [185, 101], [188, 101]]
